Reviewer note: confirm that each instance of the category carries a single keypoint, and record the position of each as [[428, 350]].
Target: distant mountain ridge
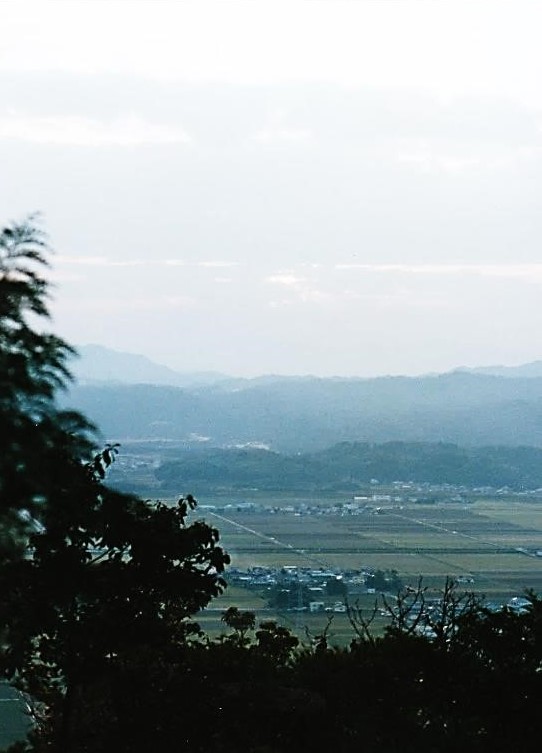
[[96, 363], [465, 409], [526, 370], [304, 414]]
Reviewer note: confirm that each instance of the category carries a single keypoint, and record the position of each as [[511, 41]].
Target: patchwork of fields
[[493, 541]]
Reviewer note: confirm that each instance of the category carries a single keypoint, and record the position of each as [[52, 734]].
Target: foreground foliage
[[91, 580], [476, 687]]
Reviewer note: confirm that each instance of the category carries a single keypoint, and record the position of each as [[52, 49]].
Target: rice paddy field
[[491, 544], [495, 542]]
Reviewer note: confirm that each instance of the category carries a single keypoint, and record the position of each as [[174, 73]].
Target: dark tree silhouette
[[91, 579], [33, 366]]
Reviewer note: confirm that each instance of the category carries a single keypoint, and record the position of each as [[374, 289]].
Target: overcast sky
[[319, 187]]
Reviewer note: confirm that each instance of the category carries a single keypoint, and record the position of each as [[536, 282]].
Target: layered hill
[[347, 466], [313, 414], [306, 414]]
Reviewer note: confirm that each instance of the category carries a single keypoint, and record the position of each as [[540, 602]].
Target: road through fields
[[453, 532], [272, 539]]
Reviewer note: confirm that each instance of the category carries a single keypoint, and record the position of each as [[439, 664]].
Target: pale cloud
[[526, 272], [428, 158], [403, 300], [277, 130], [216, 264], [102, 261], [126, 131], [290, 281], [201, 264], [352, 43], [58, 278], [97, 261], [278, 134], [129, 305], [428, 161], [397, 298], [300, 286]]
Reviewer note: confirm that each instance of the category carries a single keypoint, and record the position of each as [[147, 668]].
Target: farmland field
[[493, 541]]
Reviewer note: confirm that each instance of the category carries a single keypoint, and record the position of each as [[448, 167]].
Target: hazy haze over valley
[[283, 187]]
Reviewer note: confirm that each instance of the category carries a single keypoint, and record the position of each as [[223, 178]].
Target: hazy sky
[[288, 187]]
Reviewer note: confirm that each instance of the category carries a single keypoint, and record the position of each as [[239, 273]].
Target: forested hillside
[[348, 465], [303, 415]]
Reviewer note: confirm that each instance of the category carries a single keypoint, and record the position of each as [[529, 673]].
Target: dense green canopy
[[89, 578]]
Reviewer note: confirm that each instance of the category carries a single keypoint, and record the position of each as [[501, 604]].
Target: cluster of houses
[[307, 589], [261, 576], [304, 588], [359, 504], [377, 496]]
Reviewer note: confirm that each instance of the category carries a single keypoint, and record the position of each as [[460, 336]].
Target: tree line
[[351, 465]]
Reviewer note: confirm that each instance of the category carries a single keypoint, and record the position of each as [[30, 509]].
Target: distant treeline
[[349, 465]]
